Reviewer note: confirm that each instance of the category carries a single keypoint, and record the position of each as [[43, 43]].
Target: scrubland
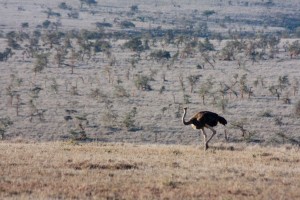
[[92, 94]]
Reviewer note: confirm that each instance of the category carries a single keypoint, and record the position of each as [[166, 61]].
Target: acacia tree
[[294, 49], [51, 38], [87, 2], [135, 44], [41, 62], [208, 13], [60, 55], [204, 91], [193, 79]]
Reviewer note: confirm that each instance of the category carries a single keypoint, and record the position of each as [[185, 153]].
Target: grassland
[[58, 170]]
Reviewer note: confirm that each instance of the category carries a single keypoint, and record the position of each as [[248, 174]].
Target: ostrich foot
[[206, 147]]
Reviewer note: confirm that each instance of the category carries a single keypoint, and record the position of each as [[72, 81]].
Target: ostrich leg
[[214, 133], [205, 139]]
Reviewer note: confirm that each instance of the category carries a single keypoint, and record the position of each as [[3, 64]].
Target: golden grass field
[[58, 170]]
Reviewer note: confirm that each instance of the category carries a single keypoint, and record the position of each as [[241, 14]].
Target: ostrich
[[205, 119]]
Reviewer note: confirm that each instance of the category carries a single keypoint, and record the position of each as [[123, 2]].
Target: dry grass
[[128, 171]]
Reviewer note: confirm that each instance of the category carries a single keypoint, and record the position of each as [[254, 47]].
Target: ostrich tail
[[222, 120]]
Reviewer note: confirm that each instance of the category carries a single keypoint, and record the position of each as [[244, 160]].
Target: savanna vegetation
[[119, 74]]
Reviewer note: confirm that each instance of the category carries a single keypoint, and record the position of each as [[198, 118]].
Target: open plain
[[58, 170]]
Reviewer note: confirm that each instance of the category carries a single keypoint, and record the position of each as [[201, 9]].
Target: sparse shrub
[[74, 91], [25, 25], [163, 110], [142, 82], [266, 113], [181, 82], [103, 25], [129, 121], [222, 103], [283, 82], [109, 117], [243, 86], [101, 45], [35, 112], [160, 54], [206, 46], [297, 32], [208, 13], [201, 30], [64, 6], [120, 91], [278, 121], [162, 89], [134, 8], [80, 123], [41, 62], [186, 99], [134, 44], [127, 24], [5, 54], [241, 126], [50, 13], [96, 94], [73, 14], [87, 2], [54, 86], [46, 24], [297, 108], [193, 79], [11, 42], [295, 85], [5, 123], [294, 49], [34, 92], [274, 91], [204, 91]]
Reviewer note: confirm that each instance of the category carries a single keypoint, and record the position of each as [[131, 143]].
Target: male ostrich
[[204, 119]]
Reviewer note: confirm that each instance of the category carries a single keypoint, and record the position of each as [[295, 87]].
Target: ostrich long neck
[[183, 116]]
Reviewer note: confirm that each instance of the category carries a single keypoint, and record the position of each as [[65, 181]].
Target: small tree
[[193, 79], [297, 109], [109, 117], [142, 82], [46, 24], [87, 2], [204, 91], [41, 62], [283, 82], [134, 44], [160, 54], [294, 49], [134, 8], [120, 91], [222, 103], [5, 123], [60, 56], [208, 13], [295, 85], [25, 25], [127, 24], [129, 121], [206, 46]]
